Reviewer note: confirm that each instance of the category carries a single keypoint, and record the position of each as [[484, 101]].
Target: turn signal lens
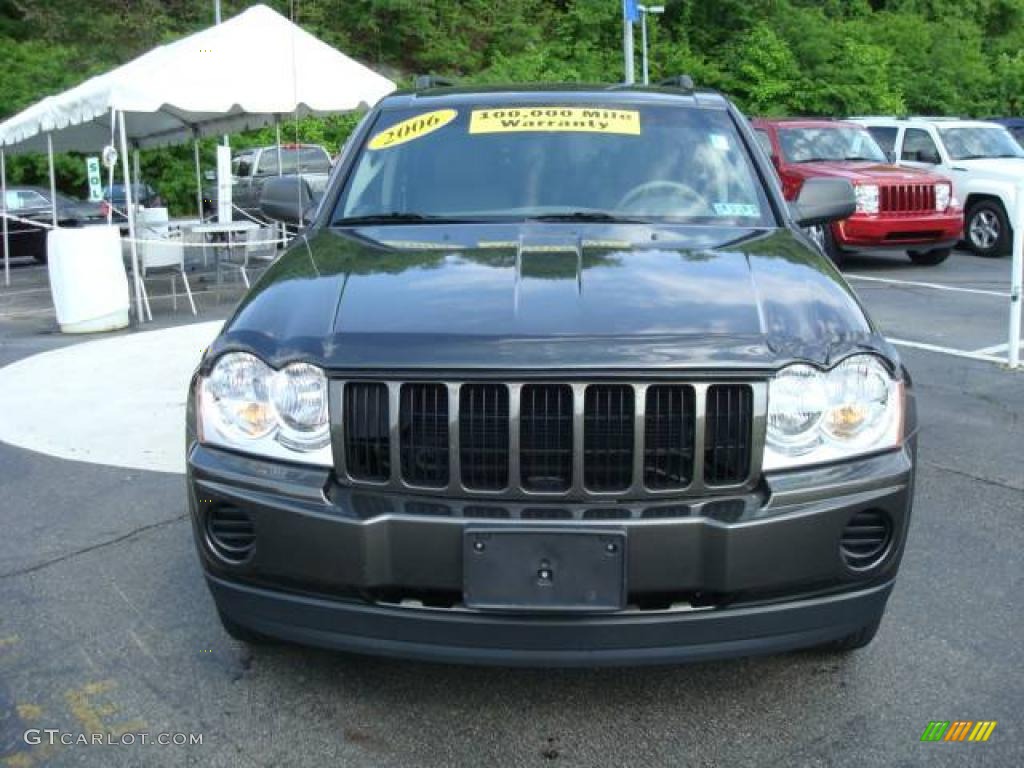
[[239, 385]]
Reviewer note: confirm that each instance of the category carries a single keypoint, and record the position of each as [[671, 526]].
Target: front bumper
[[754, 574], [936, 230]]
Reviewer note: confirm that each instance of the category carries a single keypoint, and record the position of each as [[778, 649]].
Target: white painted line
[[936, 286], [947, 350], [22, 292], [49, 310], [996, 348], [118, 401], [25, 312]]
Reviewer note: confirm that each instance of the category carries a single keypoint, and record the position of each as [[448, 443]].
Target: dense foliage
[[815, 57]]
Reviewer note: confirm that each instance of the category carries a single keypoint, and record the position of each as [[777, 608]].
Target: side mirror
[[823, 200], [288, 199]]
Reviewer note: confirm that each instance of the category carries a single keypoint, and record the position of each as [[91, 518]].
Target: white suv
[[982, 159]]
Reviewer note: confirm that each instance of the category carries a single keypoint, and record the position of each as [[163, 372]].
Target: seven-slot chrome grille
[[552, 440]]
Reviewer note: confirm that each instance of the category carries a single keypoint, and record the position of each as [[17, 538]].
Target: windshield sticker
[[575, 119], [736, 209], [411, 129], [418, 245], [718, 141]]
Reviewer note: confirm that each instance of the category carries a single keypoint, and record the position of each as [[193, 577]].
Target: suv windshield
[[831, 144], [975, 142], [578, 162]]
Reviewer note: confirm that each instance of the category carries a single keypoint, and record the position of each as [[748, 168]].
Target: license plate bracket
[[544, 569]]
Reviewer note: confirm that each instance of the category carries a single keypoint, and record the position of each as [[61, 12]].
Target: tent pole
[[53, 179], [131, 219], [277, 127], [137, 172], [111, 169], [3, 192], [199, 178]]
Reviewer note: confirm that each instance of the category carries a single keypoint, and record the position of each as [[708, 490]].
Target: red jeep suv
[[896, 207]]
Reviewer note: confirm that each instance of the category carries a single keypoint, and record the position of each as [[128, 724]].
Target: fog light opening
[[865, 540], [230, 532]]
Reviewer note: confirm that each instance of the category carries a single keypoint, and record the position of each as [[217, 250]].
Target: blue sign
[[629, 11]]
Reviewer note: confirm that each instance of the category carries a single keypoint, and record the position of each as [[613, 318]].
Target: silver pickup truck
[[251, 168]]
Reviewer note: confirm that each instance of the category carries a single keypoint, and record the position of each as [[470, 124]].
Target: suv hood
[[512, 296], [1006, 168], [866, 173]]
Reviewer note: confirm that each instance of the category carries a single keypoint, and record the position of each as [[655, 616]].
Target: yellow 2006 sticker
[[581, 119], [413, 128]]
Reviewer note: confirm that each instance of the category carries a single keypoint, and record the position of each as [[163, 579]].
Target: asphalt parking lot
[[106, 625]]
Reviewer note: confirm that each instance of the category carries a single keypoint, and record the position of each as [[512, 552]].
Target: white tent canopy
[[248, 72]]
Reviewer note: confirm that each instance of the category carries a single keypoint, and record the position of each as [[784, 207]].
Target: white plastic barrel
[[87, 279]]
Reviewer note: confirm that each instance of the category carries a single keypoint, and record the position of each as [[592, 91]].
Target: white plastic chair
[[260, 245], [161, 249]]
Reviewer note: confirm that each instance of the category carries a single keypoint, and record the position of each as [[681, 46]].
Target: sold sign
[[92, 170]]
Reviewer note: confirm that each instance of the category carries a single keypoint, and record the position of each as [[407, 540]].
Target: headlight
[[867, 198], [247, 406], [818, 416], [943, 195], [299, 395]]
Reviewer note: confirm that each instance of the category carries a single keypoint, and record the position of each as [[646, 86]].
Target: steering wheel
[[690, 202]]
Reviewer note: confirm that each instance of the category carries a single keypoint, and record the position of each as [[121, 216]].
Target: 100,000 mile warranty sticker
[[582, 119]]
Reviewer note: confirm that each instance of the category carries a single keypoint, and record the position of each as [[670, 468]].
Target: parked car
[[251, 169], [896, 207], [983, 161], [142, 194], [1015, 125], [33, 203], [578, 390]]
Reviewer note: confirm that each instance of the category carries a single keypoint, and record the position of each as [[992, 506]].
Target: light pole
[[644, 10], [629, 17]]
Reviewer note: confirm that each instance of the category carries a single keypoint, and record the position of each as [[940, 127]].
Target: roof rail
[[683, 82], [423, 82]]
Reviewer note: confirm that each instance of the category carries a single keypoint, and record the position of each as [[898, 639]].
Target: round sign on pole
[[109, 156]]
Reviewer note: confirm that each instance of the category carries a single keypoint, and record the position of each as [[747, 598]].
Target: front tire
[[240, 633], [929, 258], [988, 229], [821, 234], [856, 640]]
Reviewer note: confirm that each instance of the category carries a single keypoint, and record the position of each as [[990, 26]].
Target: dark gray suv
[[553, 377]]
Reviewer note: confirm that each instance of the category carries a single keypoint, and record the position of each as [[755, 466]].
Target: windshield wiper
[[820, 160], [584, 216], [395, 217], [863, 160]]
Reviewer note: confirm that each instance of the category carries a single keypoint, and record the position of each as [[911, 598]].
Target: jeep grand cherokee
[[553, 377]]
